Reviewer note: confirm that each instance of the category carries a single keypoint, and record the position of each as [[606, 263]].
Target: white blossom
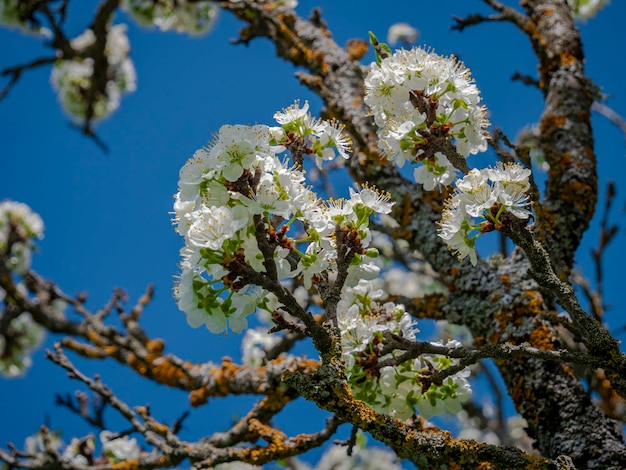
[[480, 198], [73, 78], [120, 448], [401, 32], [443, 81], [182, 16], [586, 9]]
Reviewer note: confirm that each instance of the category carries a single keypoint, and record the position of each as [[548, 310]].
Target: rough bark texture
[[502, 304]]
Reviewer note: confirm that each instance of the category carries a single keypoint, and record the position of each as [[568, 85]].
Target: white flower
[[440, 80], [77, 449], [15, 356], [182, 16], [480, 197], [239, 147], [212, 226], [119, 449], [378, 201], [295, 117], [434, 174], [401, 32], [73, 79], [585, 9]]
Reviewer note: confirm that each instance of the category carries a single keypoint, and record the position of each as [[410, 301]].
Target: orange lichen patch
[[542, 338], [199, 397], [275, 402], [568, 59], [155, 346], [131, 464], [520, 393], [610, 401], [95, 338], [356, 48], [84, 350], [549, 122], [428, 306], [406, 213], [534, 301], [226, 374], [506, 281], [494, 337], [266, 432], [568, 370]]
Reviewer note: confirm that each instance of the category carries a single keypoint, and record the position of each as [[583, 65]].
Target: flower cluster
[[74, 79], [19, 226], [324, 139], [481, 197], [243, 211], [16, 345], [395, 390], [182, 16], [585, 9], [423, 103], [20, 13], [80, 451]]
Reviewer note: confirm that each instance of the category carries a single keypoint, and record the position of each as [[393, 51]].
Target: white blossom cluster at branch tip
[[324, 138], [182, 16], [418, 98], [80, 451], [20, 13], [586, 9], [118, 449], [16, 346], [403, 33], [479, 200], [239, 191], [34, 443], [74, 82], [395, 390], [19, 226]]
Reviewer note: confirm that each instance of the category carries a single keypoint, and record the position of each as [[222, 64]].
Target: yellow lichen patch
[[155, 346], [542, 338], [159, 428], [429, 306], [356, 48], [549, 122], [406, 214], [568, 59], [275, 402], [199, 396], [167, 373], [521, 394], [84, 350], [131, 464], [95, 338], [534, 300]]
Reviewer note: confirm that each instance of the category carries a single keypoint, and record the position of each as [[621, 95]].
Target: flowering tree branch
[[251, 226]]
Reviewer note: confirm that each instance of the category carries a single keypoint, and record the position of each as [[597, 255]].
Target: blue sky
[[106, 215]]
